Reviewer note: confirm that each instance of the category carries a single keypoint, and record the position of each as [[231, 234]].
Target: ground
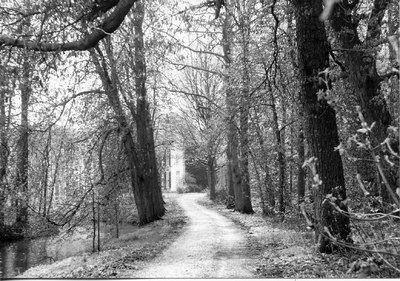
[[201, 238], [130, 252], [211, 246]]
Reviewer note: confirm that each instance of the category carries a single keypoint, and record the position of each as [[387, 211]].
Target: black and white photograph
[[199, 139]]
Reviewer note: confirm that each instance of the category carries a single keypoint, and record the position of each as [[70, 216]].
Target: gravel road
[[211, 246]]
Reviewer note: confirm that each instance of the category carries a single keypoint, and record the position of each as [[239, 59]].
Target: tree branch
[[394, 72], [183, 66], [189, 48], [109, 25]]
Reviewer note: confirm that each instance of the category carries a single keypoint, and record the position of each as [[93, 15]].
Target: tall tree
[[4, 149], [141, 155], [231, 144], [23, 151], [301, 183], [360, 63], [242, 188], [110, 14], [320, 123]]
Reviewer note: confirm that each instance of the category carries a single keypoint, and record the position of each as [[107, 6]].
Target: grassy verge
[[129, 252], [286, 250]]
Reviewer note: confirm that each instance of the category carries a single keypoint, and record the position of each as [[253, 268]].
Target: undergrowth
[[287, 249]]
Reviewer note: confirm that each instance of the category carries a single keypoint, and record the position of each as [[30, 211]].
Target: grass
[[287, 249], [123, 255]]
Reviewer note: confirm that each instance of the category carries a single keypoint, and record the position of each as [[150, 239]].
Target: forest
[[288, 109]]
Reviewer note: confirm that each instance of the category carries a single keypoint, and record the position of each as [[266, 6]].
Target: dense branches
[[109, 25]]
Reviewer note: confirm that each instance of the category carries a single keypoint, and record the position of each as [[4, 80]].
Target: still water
[[17, 257]]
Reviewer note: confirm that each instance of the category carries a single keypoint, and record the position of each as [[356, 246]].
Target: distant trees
[[200, 124], [48, 39]]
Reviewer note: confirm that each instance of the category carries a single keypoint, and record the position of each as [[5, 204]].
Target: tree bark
[[301, 183], [23, 150], [211, 175], [281, 157], [141, 155], [45, 176], [231, 149], [360, 65], [4, 151], [110, 24], [244, 156], [320, 123], [147, 173], [244, 111]]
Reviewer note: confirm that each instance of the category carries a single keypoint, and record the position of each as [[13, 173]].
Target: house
[[174, 174]]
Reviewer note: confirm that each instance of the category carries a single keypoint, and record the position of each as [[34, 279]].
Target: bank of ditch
[[130, 251]]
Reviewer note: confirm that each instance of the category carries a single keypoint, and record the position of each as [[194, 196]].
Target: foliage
[[285, 249], [205, 80], [120, 256]]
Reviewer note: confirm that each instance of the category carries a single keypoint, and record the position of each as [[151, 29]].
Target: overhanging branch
[[109, 25]]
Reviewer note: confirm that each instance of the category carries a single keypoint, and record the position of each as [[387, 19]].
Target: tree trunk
[[301, 183], [211, 175], [233, 144], [45, 176], [230, 202], [231, 149], [140, 155], [23, 150], [147, 173], [244, 156], [281, 158], [55, 175], [360, 64], [320, 123], [244, 111], [259, 183], [265, 182], [4, 152]]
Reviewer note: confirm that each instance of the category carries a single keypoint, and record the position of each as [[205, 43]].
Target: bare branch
[[183, 66], [100, 156], [189, 48], [109, 25]]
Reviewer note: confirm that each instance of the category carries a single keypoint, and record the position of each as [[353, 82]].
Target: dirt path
[[210, 247]]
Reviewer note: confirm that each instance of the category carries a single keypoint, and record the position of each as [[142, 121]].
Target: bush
[[194, 188], [221, 195]]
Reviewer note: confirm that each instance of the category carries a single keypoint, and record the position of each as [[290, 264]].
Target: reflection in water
[[17, 257]]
